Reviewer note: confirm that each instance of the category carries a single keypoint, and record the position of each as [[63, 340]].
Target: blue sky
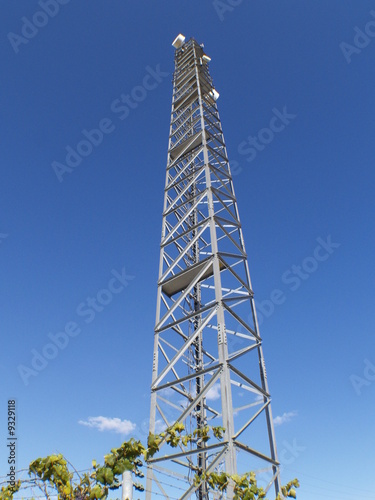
[[64, 239]]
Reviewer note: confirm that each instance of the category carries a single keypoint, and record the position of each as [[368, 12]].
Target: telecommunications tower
[[208, 365]]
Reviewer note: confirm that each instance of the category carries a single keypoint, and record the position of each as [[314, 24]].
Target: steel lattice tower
[[208, 365]]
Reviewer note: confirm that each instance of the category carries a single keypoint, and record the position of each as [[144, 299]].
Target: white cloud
[[166, 393], [109, 424], [160, 426], [184, 403], [285, 417], [214, 393]]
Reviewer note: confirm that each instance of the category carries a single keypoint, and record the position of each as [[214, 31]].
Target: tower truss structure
[[208, 364]]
